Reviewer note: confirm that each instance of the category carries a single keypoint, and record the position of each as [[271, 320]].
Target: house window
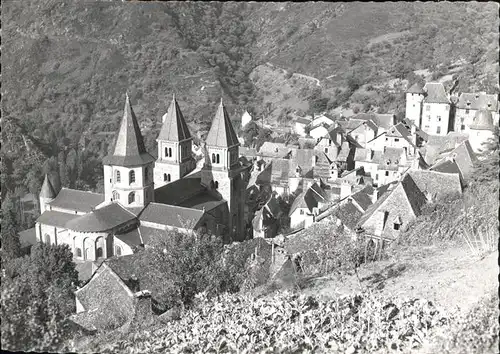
[[428, 107], [131, 177], [118, 250], [47, 239], [118, 177], [439, 118], [98, 253], [396, 139], [438, 130], [462, 127], [429, 118], [467, 111], [414, 105], [131, 197], [168, 152], [78, 252], [376, 177], [301, 212], [166, 177], [386, 139], [387, 173], [326, 150], [397, 226], [116, 196], [213, 158], [217, 158]]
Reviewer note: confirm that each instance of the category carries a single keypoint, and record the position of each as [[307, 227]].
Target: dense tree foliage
[[37, 297]]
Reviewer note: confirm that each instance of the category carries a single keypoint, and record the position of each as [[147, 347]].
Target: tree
[[11, 246], [37, 297], [192, 263]]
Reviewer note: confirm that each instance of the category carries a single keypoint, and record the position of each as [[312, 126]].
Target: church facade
[[144, 196]]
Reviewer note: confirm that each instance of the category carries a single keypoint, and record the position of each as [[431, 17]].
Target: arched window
[[47, 239], [118, 251], [218, 158], [118, 177], [79, 252], [165, 177], [166, 152], [169, 178], [131, 177], [98, 253], [170, 152], [213, 158], [131, 197], [116, 196]]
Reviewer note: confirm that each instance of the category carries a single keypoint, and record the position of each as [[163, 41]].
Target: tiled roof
[[202, 201], [319, 194], [482, 120], [73, 199], [55, 218], [348, 214], [344, 152], [171, 215], [299, 202], [28, 237], [179, 191], [129, 149], [132, 237], [391, 158], [362, 198], [102, 219], [270, 149], [174, 126], [280, 169], [273, 206], [47, 190], [246, 151], [415, 196], [147, 233], [465, 157], [436, 184], [478, 101], [381, 120], [221, 132], [435, 93], [415, 88], [447, 166]]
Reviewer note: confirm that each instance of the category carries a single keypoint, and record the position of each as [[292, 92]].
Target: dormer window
[[397, 226], [468, 103]]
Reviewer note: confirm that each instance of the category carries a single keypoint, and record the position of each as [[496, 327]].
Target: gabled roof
[[221, 132], [348, 214], [273, 206], [415, 88], [171, 215], [179, 191], [437, 184], [362, 198], [129, 148], [384, 121], [447, 166], [478, 101], [47, 190], [73, 199], [102, 219], [435, 93], [174, 126]]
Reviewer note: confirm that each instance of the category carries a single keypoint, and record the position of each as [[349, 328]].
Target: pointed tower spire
[[222, 132], [129, 146], [47, 190], [174, 126]]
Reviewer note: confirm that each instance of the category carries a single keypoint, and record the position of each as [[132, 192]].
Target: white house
[[436, 109], [469, 104]]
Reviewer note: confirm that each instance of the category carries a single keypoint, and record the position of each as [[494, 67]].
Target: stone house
[[306, 206], [436, 110], [398, 206], [481, 130], [462, 155], [266, 222], [300, 126], [437, 185], [414, 98], [469, 104]]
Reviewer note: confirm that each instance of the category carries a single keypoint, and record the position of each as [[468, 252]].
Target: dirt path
[[451, 278]]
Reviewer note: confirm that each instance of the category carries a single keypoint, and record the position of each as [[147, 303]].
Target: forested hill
[[67, 65]]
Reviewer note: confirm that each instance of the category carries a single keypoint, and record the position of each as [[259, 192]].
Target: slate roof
[[47, 190], [73, 199], [481, 102], [309, 199], [221, 132], [415, 88], [447, 166], [55, 218], [435, 93], [102, 219], [280, 169], [248, 152], [179, 191], [344, 152], [171, 215], [273, 206], [348, 214], [437, 184], [129, 149], [482, 120], [381, 120], [174, 126], [300, 202], [362, 198], [391, 158], [202, 201], [270, 149]]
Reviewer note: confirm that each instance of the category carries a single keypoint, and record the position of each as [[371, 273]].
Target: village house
[[414, 98], [481, 130], [435, 110], [462, 155], [318, 131], [469, 104], [116, 222], [392, 165], [266, 221], [300, 125], [306, 206], [331, 143]]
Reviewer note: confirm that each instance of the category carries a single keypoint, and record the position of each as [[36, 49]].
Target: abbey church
[[143, 196]]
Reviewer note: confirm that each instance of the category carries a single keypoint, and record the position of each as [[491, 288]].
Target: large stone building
[[143, 197], [469, 104]]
